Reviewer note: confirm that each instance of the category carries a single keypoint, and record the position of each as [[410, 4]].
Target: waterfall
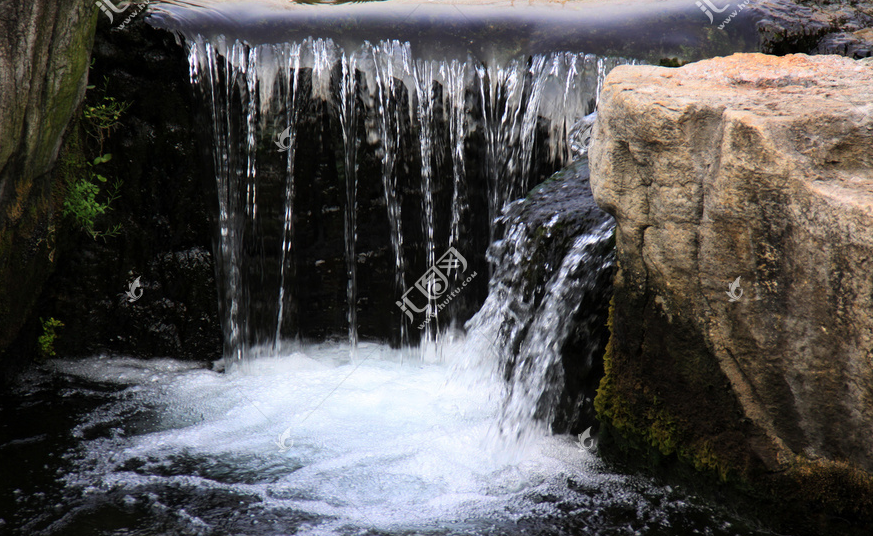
[[348, 114], [545, 315], [290, 134], [384, 162], [391, 60]]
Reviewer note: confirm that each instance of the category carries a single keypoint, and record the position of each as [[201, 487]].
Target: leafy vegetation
[[46, 341], [82, 202], [101, 118], [90, 194]]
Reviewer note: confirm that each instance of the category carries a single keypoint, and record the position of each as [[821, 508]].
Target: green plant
[[82, 202], [102, 117], [89, 193], [46, 341]]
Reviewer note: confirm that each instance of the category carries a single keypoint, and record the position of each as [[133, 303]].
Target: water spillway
[[337, 166]]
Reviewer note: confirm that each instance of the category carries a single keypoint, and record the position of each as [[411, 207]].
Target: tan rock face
[[756, 167]]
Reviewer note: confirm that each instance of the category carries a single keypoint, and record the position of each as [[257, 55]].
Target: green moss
[[828, 484], [645, 425], [671, 62], [641, 429], [68, 88]]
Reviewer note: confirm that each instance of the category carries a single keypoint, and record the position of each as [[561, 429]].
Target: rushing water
[[444, 432], [305, 443]]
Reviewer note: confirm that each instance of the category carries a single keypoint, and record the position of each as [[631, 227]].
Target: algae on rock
[[759, 167], [44, 52]]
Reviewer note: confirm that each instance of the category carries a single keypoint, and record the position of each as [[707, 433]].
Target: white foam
[[376, 443]]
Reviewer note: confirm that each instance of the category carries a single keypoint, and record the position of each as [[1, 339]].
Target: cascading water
[[289, 138], [428, 119], [359, 186], [546, 310], [349, 124]]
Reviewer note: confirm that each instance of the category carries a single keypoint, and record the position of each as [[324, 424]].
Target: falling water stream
[[408, 113]]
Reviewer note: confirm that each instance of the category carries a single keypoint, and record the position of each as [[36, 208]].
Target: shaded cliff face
[[44, 52], [163, 209], [814, 27], [759, 168]]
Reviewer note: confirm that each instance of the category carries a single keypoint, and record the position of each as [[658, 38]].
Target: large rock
[[761, 168], [44, 51], [813, 26]]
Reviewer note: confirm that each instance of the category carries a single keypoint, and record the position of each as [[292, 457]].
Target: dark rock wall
[[44, 52], [814, 27], [163, 209]]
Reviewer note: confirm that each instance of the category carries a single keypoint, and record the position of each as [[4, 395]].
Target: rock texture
[[761, 168], [44, 52], [814, 26], [164, 211]]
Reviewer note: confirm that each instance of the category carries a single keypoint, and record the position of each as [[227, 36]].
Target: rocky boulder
[[756, 170], [814, 26]]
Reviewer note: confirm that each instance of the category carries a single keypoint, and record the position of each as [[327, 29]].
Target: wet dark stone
[[555, 214], [164, 212]]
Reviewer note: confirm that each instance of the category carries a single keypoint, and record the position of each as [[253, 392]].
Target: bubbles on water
[[386, 443]]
